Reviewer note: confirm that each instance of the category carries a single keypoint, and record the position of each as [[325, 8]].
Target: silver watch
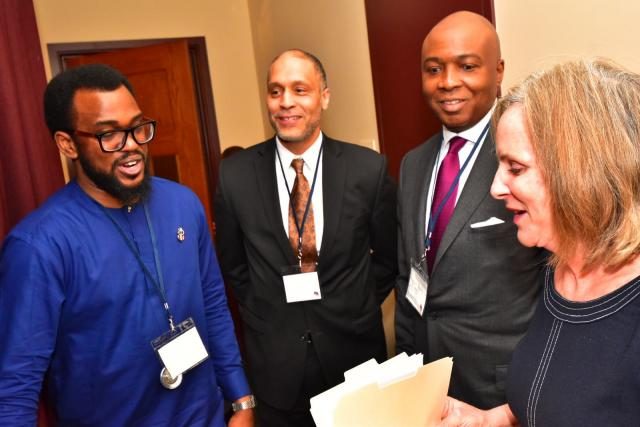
[[245, 404]]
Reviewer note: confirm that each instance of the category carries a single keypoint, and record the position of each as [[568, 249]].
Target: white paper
[[364, 370], [183, 352], [417, 291], [302, 287], [399, 369], [374, 394]]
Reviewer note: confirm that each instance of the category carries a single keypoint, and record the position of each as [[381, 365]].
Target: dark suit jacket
[[357, 265], [482, 290]]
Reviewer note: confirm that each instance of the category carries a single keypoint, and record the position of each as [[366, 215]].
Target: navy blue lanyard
[[434, 218], [159, 284], [300, 227]]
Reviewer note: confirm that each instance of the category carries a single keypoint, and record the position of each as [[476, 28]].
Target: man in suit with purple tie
[[466, 287]]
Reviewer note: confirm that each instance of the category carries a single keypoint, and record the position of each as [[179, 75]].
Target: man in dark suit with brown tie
[[466, 287], [306, 231]]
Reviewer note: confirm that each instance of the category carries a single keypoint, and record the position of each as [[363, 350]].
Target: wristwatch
[[245, 404]]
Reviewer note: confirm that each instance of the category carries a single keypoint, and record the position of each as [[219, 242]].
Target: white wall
[[243, 36], [536, 34], [336, 32]]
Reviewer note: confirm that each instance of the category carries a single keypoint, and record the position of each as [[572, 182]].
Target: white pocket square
[[487, 223]]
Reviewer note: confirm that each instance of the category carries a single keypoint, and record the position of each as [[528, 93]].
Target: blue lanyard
[[433, 219], [300, 227], [159, 284]]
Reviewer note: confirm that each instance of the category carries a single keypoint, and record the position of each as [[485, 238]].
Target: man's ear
[[66, 145], [325, 96]]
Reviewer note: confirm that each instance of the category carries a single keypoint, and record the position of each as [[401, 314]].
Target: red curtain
[[30, 168]]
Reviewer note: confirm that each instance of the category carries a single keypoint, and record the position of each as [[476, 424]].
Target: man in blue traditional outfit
[[113, 261]]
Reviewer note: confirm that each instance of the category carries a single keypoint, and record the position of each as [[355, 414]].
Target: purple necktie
[[446, 175]]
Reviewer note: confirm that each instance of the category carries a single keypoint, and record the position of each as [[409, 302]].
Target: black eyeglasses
[[115, 140]]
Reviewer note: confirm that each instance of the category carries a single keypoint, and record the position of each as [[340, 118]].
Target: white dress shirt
[[310, 158], [471, 135]]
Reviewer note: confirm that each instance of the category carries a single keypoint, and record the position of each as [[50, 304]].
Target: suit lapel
[[334, 174], [475, 190], [268, 189]]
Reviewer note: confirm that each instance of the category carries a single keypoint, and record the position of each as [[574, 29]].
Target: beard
[[109, 183], [304, 134]]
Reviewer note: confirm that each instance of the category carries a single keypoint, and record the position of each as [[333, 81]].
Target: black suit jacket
[[483, 287], [356, 268]]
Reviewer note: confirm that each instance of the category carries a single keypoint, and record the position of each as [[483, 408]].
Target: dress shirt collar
[[473, 133], [310, 156]]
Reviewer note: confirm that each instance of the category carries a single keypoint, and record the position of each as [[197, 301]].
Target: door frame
[[203, 88]]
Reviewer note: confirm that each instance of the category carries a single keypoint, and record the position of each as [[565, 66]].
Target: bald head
[[462, 69], [469, 23]]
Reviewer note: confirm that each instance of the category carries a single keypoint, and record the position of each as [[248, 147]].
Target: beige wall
[[336, 32], [243, 36], [225, 25], [538, 33]]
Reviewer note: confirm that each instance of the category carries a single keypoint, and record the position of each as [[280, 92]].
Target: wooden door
[[161, 75]]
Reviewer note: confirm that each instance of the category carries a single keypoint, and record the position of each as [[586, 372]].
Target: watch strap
[[245, 404]]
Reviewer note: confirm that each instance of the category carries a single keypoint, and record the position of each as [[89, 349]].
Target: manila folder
[[412, 402]]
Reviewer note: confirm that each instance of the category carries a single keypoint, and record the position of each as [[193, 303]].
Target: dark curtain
[[30, 168]]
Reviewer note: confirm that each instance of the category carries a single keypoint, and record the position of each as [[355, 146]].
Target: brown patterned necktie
[[299, 198]]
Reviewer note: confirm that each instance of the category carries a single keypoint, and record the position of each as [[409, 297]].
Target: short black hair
[[58, 96]]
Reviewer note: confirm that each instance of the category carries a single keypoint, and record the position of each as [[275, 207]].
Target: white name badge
[[181, 349], [302, 287], [417, 289]]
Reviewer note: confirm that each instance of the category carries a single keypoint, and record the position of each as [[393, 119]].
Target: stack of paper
[[399, 392]]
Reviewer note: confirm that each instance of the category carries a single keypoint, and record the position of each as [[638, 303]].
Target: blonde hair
[[583, 119]]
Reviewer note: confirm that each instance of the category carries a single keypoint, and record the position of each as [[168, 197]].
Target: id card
[[417, 288], [301, 286], [181, 349]]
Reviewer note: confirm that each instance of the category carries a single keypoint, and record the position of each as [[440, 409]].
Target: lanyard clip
[[170, 316]]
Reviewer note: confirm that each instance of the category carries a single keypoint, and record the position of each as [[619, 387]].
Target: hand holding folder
[[399, 392]]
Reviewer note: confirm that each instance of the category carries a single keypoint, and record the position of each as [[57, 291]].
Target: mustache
[[126, 155]]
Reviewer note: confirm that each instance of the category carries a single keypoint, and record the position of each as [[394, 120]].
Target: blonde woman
[[568, 144]]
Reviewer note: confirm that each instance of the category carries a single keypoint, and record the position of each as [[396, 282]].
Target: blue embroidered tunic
[[77, 310]]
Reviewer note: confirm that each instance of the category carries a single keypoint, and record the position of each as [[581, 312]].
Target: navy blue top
[[76, 307], [579, 364]]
